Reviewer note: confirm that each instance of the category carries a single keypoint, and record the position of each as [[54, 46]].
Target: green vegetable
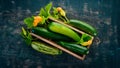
[[59, 13], [50, 35], [24, 32], [48, 7], [84, 26], [46, 11], [29, 22], [55, 13], [44, 48], [26, 36], [75, 48], [61, 29], [85, 40]]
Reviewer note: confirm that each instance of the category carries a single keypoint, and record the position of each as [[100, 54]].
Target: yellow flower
[[87, 43], [61, 11], [37, 19]]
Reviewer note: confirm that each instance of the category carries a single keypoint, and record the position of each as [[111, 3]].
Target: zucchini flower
[[37, 19], [61, 11]]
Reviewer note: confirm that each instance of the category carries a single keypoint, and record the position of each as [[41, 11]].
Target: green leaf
[[55, 10], [23, 31], [45, 11], [48, 7], [28, 41], [55, 13], [29, 36], [22, 34], [29, 21], [42, 13], [26, 36], [43, 20], [85, 38]]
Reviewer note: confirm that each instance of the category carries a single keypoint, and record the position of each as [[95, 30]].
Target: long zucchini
[[75, 48], [84, 26], [61, 29], [50, 35]]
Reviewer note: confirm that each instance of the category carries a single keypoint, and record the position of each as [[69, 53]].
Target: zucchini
[[44, 48], [61, 29], [75, 48], [50, 35], [84, 26]]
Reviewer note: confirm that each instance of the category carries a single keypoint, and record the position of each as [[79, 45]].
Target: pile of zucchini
[[52, 30]]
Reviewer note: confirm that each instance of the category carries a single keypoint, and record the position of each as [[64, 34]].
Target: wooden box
[[81, 57]]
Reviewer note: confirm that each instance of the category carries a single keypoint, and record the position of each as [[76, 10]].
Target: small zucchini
[[44, 48], [61, 29], [75, 48], [83, 26]]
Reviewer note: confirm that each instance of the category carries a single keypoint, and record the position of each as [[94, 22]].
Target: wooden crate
[[81, 57]]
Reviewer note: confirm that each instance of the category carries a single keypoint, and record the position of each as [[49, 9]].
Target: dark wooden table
[[102, 14]]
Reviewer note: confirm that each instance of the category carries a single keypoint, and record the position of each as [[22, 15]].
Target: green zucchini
[[44, 48], [75, 48], [61, 29], [84, 26], [50, 35]]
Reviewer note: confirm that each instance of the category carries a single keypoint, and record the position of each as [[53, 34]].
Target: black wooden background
[[102, 14]]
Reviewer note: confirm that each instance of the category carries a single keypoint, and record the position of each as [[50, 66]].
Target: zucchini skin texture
[[61, 29], [44, 48], [49, 34], [83, 26], [75, 48]]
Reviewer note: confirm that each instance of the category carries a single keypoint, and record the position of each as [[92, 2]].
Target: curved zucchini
[[75, 48], [44, 48], [50, 35], [61, 29], [84, 26]]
